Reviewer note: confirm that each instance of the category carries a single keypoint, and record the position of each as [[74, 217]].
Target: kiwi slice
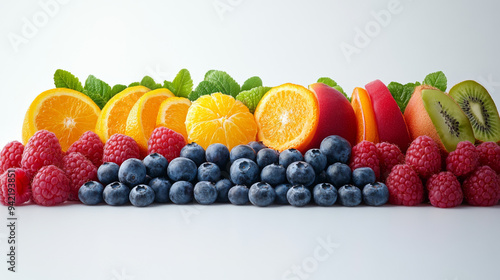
[[479, 107], [451, 124]]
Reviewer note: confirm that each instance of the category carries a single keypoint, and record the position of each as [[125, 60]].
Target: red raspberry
[[15, 187], [489, 154], [42, 149], [79, 170], [50, 186], [389, 155], [119, 148], [364, 154], [166, 142], [463, 160], [482, 187], [405, 187], [423, 155], [11, 155], [444, 190], [89, 145]]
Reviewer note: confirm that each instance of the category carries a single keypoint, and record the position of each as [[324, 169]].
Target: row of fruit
[[147, 118]]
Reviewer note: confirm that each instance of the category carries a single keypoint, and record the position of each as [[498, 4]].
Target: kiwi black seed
[[480, 109]]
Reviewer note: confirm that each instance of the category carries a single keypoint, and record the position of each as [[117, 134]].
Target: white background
[[281, 41]]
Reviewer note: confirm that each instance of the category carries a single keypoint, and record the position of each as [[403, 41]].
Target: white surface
[[281, 41]]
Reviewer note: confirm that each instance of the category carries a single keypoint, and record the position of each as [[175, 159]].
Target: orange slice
[[65, 112], [113, 118], [219, 118], [365, 116], [172, 114], [141, 120], [287, 117]]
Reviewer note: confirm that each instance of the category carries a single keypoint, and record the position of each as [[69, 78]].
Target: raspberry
[[166, 142], [444, 190], [11, 155], [389, 155], [489, 154], [405, 187], [364, 154], [15, 187], [482, 187], [89, 145], [79, 170], [463, 160], [423, 155], [119, 148], [42, 149], [50, 186]]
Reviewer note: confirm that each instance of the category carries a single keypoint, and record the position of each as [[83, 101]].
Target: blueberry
[[205, 192], [156, 165], [142, 195], [281, 191], [325, 194], [363, 176], [298, 196], [147, 180], [336, 149], [320, 178], [181, 192], [194, 152], [338, 174], [300, 173], [238, 195], [161, 186], [375, 194], [218, 154], [266, 157], [223, 187], [273, 174], [257, 146], [316, 159], [261, 194], [242, 151], [349, 195], [108, 173], [182, 169], [90, 193], [208, 171], [288, 156], [244, 172], [132, 172], [116, 193]]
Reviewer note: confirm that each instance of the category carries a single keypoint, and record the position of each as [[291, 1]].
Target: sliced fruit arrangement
[[172, 114]]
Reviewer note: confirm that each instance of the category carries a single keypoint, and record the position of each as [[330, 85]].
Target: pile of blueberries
[[249, 173]]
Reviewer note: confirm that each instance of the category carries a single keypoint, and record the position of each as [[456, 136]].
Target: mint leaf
[[115, 90], [225, 83], [134, 84], [97, 90], [437, 80], [402, 93], [209, 72], [183, 84], [203, 88], [64, 79], [150, 83], [252, 97], [168, 85], [330, 82], [251, 83]]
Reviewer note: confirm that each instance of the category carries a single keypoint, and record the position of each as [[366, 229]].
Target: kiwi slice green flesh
[[479, 107], [451, 124]]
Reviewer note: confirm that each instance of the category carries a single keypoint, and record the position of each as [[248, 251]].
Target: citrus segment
[[172, 114], [287, 117], [65, 112], [219, 118], [365, 116], [113, 118], [141, 120]]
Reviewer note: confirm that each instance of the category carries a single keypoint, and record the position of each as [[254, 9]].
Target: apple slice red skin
[[390, 121]]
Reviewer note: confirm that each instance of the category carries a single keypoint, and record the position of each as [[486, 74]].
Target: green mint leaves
[[182, 84], [330, 82], [216, 81], [252, 97], [437, 80], [402, 93], [251, 83], [64, 79]]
